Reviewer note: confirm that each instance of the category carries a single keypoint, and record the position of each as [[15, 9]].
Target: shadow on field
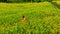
[[56, 5]]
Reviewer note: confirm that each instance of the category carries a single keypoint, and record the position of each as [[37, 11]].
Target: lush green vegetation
[[40, 18], [56, 3], [19, 1]]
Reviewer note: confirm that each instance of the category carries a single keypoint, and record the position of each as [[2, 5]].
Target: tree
[[49, 0], [3, 0]]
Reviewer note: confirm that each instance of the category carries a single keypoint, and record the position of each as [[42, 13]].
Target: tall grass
[[41, 18]]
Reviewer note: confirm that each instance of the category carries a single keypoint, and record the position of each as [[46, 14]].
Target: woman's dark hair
[[23, 16]]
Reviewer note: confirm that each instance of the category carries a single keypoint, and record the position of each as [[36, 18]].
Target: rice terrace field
[[29, 18]]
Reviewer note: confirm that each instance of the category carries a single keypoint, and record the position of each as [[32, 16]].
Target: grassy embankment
[[40, 18]]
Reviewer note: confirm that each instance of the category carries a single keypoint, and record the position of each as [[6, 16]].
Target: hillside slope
[[40, 18]]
